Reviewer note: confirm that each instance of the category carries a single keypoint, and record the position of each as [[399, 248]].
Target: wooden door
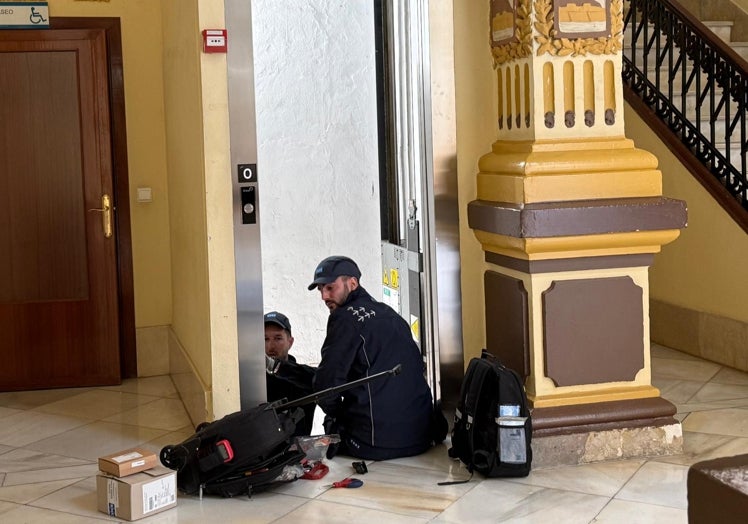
[[58, 268]]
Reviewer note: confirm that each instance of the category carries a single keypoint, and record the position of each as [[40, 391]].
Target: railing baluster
[[710, 76], [660, 107], [671, 63], [744, 166]]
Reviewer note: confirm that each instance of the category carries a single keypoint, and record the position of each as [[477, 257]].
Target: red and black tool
[[348, 483]]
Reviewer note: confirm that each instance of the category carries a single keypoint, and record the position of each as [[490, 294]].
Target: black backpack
[[492, 428]]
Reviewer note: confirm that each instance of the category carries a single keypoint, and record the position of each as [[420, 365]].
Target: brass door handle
[[106, 215]]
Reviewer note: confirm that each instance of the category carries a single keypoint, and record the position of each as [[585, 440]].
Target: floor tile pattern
[[50, 440]]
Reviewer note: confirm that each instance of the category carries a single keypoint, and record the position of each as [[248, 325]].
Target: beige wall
[[177, 121], [219, 219], [184, 129], [146, 154], [475, 106], [204, 300], [704, 269], [742, 4], [724, 10]]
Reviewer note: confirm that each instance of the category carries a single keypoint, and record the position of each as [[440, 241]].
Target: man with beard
[[286, 379], [390, 417]]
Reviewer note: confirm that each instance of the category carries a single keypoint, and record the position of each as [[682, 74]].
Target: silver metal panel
[[246, 236], [446, 207], [427, 178], [407, 32]]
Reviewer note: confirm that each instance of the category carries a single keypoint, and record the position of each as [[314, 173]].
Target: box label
[[112, 497], [159, 493], [127, 457]]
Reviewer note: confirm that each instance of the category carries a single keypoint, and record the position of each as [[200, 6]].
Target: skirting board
[[711, 337]]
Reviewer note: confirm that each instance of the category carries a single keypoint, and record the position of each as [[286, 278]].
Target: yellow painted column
[[569, 214]]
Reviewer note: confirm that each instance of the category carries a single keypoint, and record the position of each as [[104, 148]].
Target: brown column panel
[[580, 217], [593, 331], [506, 321], [570, 264]]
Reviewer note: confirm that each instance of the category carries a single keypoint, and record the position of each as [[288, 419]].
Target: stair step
[[664, 74], [720, 126], [721, 28], [690, 113], [651, 57], [740, 48]]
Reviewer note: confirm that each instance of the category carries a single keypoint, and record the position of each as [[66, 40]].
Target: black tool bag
[[240, 442], [246, 451], [492, 428], [263, 476]]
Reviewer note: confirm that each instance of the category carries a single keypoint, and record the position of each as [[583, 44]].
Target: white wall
[[317, 152]]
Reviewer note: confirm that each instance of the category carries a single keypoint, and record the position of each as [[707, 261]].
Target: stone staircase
[[717, 110], [723, 29]]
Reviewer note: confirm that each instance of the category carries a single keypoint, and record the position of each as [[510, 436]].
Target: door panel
[[58, 272], [46, 163]]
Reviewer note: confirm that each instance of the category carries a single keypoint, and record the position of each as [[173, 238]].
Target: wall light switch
[[145, 194]]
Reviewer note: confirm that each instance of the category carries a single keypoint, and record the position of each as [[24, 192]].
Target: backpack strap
[[480, 374], [469, 397], [220, 453], [453, 482]]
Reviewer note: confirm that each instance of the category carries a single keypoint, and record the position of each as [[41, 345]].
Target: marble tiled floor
[[50, 440]]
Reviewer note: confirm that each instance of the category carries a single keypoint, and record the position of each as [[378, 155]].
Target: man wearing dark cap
[[390, 417], [286, 379]]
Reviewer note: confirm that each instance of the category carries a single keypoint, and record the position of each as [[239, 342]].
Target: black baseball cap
[[278, 318], [333, 267]]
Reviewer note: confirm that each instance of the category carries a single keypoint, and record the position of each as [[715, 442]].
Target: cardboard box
[[127, 462], [137, 496]]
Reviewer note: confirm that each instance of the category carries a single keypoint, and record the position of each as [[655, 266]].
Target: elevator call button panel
[[249, 205]]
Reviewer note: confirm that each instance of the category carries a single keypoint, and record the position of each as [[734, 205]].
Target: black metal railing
[[694, 83]]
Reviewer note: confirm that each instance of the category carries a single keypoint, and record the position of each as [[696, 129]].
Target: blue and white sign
[[24, 15]]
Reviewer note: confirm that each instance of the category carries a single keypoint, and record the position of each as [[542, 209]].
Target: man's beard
[[332, 305]]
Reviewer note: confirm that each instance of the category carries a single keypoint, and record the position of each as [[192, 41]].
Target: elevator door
[[418, 181]]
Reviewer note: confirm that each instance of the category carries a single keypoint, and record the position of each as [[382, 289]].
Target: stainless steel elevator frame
[[247, 249]]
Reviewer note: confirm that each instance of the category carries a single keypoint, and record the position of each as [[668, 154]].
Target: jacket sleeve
[[338, 354], [300, 375]]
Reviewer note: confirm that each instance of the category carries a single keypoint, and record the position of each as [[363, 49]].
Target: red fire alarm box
[[214, 41]]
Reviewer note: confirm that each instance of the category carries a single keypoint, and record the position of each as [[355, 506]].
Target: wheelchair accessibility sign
[[24, 15]]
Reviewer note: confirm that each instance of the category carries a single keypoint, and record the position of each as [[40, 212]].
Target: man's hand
[[331, 427], [271, 365]]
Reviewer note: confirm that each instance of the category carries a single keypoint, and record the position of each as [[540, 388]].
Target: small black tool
[[360, 467]]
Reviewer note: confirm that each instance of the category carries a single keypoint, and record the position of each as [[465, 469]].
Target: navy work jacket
[[365, 337]]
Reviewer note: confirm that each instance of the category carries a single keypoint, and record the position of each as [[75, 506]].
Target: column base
[[580, 434]]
